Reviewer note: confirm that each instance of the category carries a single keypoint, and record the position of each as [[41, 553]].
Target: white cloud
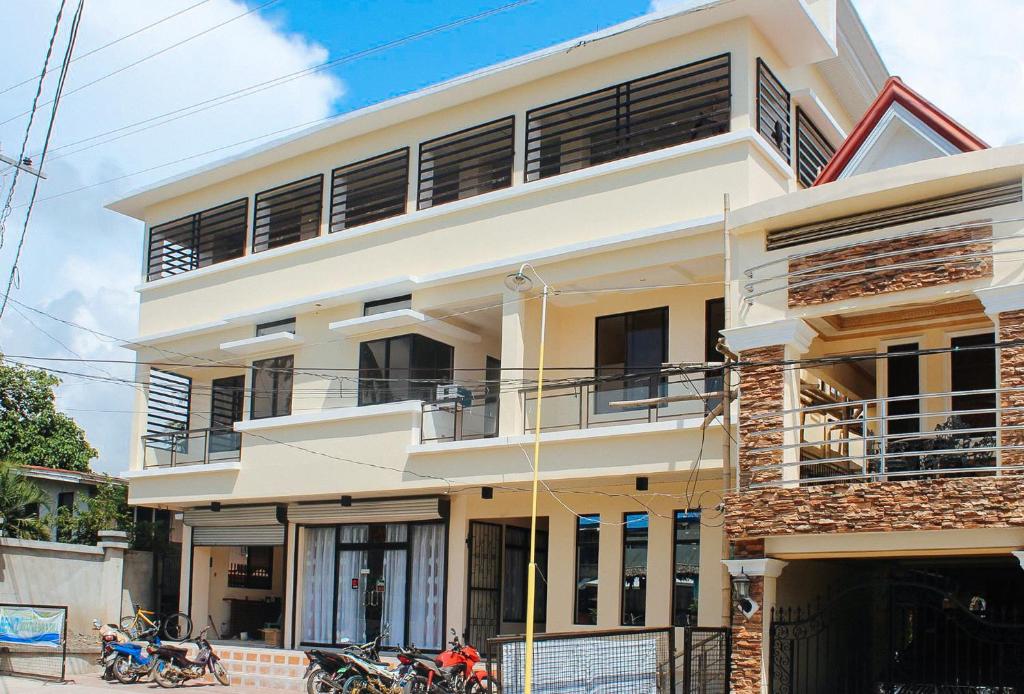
[[967, 58], [81, 261]]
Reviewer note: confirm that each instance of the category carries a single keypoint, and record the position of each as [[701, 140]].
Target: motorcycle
[[133, 661], [328, 672], [175, 667], [110, 635], [369, 677], [453, 671]]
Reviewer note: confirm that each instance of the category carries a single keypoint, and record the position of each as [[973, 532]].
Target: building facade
[[342, 382]]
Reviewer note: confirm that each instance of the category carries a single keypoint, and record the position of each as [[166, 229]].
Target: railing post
[[174, 449], [206, 446], [883, 418], [584, 405]]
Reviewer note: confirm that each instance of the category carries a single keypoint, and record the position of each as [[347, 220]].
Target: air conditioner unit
[[452, 392]]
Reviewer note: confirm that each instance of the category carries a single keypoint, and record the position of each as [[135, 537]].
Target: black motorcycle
[[177, 667], [328, 672]]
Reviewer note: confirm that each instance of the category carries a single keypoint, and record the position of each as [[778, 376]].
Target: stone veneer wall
[[748, 644], [1011, 375], [880, 279], [761, 392], [930, 504]]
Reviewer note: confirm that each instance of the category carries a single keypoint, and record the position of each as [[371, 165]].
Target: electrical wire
[[75, 22], [148, 57], [111, 43]]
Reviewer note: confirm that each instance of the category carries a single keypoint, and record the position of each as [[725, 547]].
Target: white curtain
[[426, 618], [318, 585], [351, 603], [394, 585]]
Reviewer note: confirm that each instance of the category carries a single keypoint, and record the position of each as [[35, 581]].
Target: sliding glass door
[[378, 575]]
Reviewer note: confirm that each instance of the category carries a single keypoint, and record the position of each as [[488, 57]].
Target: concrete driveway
[[92, 683]]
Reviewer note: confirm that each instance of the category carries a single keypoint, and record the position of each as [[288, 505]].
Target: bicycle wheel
[[177, 627], [127, 624], [220, 673]]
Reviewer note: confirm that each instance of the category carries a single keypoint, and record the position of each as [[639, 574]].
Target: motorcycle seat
[[179, 649]]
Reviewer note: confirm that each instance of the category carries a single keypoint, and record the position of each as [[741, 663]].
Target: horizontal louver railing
[[369, 190], [813, 150], [288, 214], [169, 402], [201, 239], [467, 163], [773, 120], [646, 114]]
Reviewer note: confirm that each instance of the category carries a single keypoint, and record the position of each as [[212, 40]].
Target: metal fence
[[34, 640], [706, 656], [624, 661]]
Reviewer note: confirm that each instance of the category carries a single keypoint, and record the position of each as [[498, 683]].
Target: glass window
[[251, 567], [272, 387], [686, 555], [279, 326], [388, 574], [588, 533], [287, 214], [630, 350], [407, 367], [634, 569], [516, 575], [394, 303]]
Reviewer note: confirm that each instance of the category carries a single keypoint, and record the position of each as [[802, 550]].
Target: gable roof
[[897, 97]]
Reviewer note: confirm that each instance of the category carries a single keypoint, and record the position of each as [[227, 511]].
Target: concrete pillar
[[185, 579], [291, 542], [750, 634], [113, 543], [520, 325], [609, 564], [458, 532], [561, 572]]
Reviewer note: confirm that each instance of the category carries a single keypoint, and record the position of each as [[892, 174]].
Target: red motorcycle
[[453, 671]]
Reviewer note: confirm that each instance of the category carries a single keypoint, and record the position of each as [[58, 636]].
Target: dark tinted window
[[369, 190], [686, 556], [272, 387], [588, 534], [288, 214], [467, 163], [634, 569], [630, 351], [407, 367]]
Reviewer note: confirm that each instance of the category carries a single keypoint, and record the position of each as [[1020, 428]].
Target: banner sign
[[37, 626]]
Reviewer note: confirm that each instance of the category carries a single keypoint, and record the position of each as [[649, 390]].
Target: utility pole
[[23, 165]]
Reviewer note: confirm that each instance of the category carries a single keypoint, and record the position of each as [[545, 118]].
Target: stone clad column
[[749, 674], [767, 387], [1005, 306]]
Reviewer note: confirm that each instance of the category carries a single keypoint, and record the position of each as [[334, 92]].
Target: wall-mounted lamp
[[486, 492], [346, 501], [642, 484], [741, 595], [215, 506]]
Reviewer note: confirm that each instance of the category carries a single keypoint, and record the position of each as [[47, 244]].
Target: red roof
[[895, 91]]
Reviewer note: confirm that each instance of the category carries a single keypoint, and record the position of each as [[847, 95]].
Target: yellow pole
[[531, 578]]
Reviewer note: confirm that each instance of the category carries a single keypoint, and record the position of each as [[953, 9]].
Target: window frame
[[264, 329], [802, 119], [363, 164], [622, 575], [576, 567], [675, 547], [277, 370], [364, 385], [427, 202], [376, 303], [775, 83], [319, 177], [657, 384], [247, 579]]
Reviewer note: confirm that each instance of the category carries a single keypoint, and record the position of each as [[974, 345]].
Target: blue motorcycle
[[133, 661]]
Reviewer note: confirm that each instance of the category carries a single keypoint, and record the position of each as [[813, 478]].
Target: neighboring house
[[679, 175], [65, 489]]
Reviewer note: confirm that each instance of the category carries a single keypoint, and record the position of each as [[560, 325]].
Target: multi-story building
[[342, 378]]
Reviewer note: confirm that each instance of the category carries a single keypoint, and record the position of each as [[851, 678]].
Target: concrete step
[[264, 668]]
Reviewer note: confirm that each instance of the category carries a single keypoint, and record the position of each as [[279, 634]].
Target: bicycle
[[176, 626]]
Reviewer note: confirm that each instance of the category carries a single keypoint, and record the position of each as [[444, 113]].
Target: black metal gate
[[484, 585], [706, 660], [890, 636]]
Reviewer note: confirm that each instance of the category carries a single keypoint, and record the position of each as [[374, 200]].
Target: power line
[[111, 43], [7, 208], [148, 57], [228, 97], [75, 22]]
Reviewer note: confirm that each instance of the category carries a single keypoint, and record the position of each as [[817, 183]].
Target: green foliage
[[32, 431], [20, 502], [107, 509]]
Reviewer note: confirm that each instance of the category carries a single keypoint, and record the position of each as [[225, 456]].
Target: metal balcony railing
[[590, 403], [191, 447], [956, 433], [456, 421]]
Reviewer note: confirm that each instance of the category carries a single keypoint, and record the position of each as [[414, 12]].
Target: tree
[[20, 502], [32, 431], [106, 509]]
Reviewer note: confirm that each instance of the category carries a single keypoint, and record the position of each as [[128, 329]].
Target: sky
[[81, 263]]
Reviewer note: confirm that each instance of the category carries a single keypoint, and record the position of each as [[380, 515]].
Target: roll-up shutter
[[250, 536], [382, 511], [235, 525]]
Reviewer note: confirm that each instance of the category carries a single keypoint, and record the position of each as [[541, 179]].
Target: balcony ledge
[[401, 318], [181, 470], [261, 344], [335, 414], [620, 430]]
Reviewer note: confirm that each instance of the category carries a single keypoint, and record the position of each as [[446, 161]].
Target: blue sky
[[82, 263]]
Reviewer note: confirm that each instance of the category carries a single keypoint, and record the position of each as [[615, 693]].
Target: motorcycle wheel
[[315, 682], [221, 674], [355, 685], [487, 685], [122, 669], [164, 678], [177, 627], [108, 673]]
